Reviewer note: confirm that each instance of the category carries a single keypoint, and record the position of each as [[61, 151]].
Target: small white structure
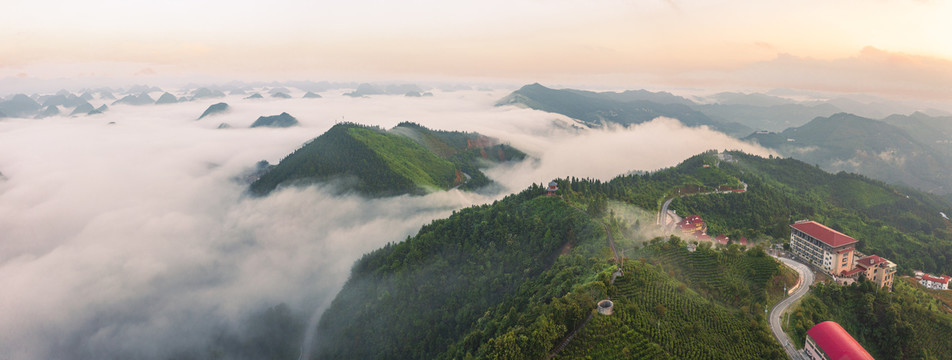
[[605, 307]]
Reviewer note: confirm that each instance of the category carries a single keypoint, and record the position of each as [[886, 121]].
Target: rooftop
[[850, 273], [944, 279], [821, 232], [871, 261], [836, 342]]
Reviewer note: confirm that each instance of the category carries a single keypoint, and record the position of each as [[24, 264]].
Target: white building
[[826, 248], [937, 283]]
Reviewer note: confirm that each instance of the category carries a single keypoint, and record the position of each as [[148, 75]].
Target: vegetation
[[409, 159], [471, 284], [898, 152], [657, 317], [897, 223], [903, 324], [513, 279]]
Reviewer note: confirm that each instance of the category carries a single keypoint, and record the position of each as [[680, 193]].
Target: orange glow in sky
[[554, 40]]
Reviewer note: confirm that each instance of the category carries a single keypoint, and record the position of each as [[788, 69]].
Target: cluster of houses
[[694, 226], [933, 282], [835, 253]]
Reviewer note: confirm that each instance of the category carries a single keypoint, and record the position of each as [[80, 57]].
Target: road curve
[[806, 279], [663, 215]]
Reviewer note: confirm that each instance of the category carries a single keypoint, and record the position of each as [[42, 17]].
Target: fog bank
[[134, 240]]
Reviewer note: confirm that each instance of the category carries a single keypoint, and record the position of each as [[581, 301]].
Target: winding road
[[806, 279]]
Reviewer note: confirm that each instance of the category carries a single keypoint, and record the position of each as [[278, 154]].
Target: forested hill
[[597, 109], [901, 150], [408, 159], [512, 279]]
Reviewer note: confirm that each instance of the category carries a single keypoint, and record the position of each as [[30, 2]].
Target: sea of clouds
[[127, 235]]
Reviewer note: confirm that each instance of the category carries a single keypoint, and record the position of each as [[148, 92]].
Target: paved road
[[663, 215], [806, 279]]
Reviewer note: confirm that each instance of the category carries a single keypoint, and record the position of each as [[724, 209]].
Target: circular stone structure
[[605, 307]]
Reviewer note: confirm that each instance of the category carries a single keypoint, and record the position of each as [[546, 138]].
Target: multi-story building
[[828, 249], [937, 283], [828, 340], [878, 270]]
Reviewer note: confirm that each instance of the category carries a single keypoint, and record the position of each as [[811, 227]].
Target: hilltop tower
[[553, 187]]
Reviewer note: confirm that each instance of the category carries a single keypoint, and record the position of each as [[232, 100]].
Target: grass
[[408, 159]]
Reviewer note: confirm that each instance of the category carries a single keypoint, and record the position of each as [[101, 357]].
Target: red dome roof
[[836, 342]]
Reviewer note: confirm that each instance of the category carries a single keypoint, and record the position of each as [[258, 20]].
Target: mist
[[135, 240]]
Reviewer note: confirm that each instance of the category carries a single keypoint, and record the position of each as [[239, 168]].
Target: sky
[[135, 240], [898, 48]]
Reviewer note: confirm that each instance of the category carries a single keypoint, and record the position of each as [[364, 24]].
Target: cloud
[[872, 71], [134, 241]]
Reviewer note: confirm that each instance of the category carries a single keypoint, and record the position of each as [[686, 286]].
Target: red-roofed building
[[721, 239], [878, 270], [937, 283], [828, 340], [743, 240], [826, 248], [692, 224]]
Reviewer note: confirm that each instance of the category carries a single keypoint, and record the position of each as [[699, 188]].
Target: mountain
[[143, 89], [141, 99], [935, 131], [278, 90], [202, 93], [599, 109], [280, 95], [215, 109], [364, 90], [19, 105], [166, 98], [772, 117], [82, 109], [63, 99], [282, 120], [846, 142], [512, 279], [311, 95], [254, 96], [661, 97], [51, 110], [2, 115], [102, 108], [752, 99], [408, 159]]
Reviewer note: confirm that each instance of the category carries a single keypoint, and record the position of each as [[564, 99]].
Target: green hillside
[[903, 324], [898, 223], [845, 142], [408, 159], [628, 108], [513, 279], [658, 317]]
